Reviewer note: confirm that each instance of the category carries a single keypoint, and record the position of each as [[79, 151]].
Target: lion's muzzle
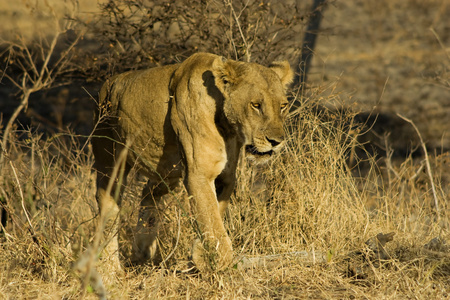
[[265, 148], [253, 150]]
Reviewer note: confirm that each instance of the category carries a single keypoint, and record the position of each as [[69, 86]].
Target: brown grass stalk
[[427, 163]]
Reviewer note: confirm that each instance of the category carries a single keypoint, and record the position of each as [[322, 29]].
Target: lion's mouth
[[253, 151]]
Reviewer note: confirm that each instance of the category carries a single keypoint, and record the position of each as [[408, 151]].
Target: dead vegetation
[[321, 197], [311, 203]]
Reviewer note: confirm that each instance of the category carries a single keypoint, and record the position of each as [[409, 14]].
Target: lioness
[[187, 120]]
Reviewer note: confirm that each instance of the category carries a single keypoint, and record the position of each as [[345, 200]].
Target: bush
[[139, 34]]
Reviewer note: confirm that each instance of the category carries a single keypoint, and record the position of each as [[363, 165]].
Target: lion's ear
[[283, 70], [224, 71]]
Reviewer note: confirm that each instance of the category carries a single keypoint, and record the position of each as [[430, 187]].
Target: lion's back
[[135, 108]]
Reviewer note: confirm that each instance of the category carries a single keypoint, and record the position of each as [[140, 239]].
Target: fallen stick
[[375, 245], [278, 260]]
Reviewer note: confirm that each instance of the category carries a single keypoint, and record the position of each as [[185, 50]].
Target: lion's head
[[255, 103]]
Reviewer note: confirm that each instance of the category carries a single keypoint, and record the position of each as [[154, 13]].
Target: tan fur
[[191, 118]]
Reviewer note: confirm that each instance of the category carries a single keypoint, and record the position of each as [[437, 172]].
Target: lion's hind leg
[[112, 172], [145, 246]]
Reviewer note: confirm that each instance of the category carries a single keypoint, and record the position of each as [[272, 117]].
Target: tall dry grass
[[307, 198]]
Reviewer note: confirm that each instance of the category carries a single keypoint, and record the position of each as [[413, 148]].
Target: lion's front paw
[[212, 254]]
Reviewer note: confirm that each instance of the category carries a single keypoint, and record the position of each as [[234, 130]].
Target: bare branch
[[34, 78], [236, 19]]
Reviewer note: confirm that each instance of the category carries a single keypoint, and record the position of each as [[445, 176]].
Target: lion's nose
[[275, 142]]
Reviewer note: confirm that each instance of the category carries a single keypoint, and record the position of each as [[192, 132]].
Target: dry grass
[[306, 199]]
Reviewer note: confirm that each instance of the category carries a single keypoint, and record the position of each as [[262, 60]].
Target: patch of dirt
[[390, 57]]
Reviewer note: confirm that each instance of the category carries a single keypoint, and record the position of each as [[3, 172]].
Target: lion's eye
[[283, 106], [256, 105]]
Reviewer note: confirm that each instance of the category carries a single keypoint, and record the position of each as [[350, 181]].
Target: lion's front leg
[[213, 249]]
